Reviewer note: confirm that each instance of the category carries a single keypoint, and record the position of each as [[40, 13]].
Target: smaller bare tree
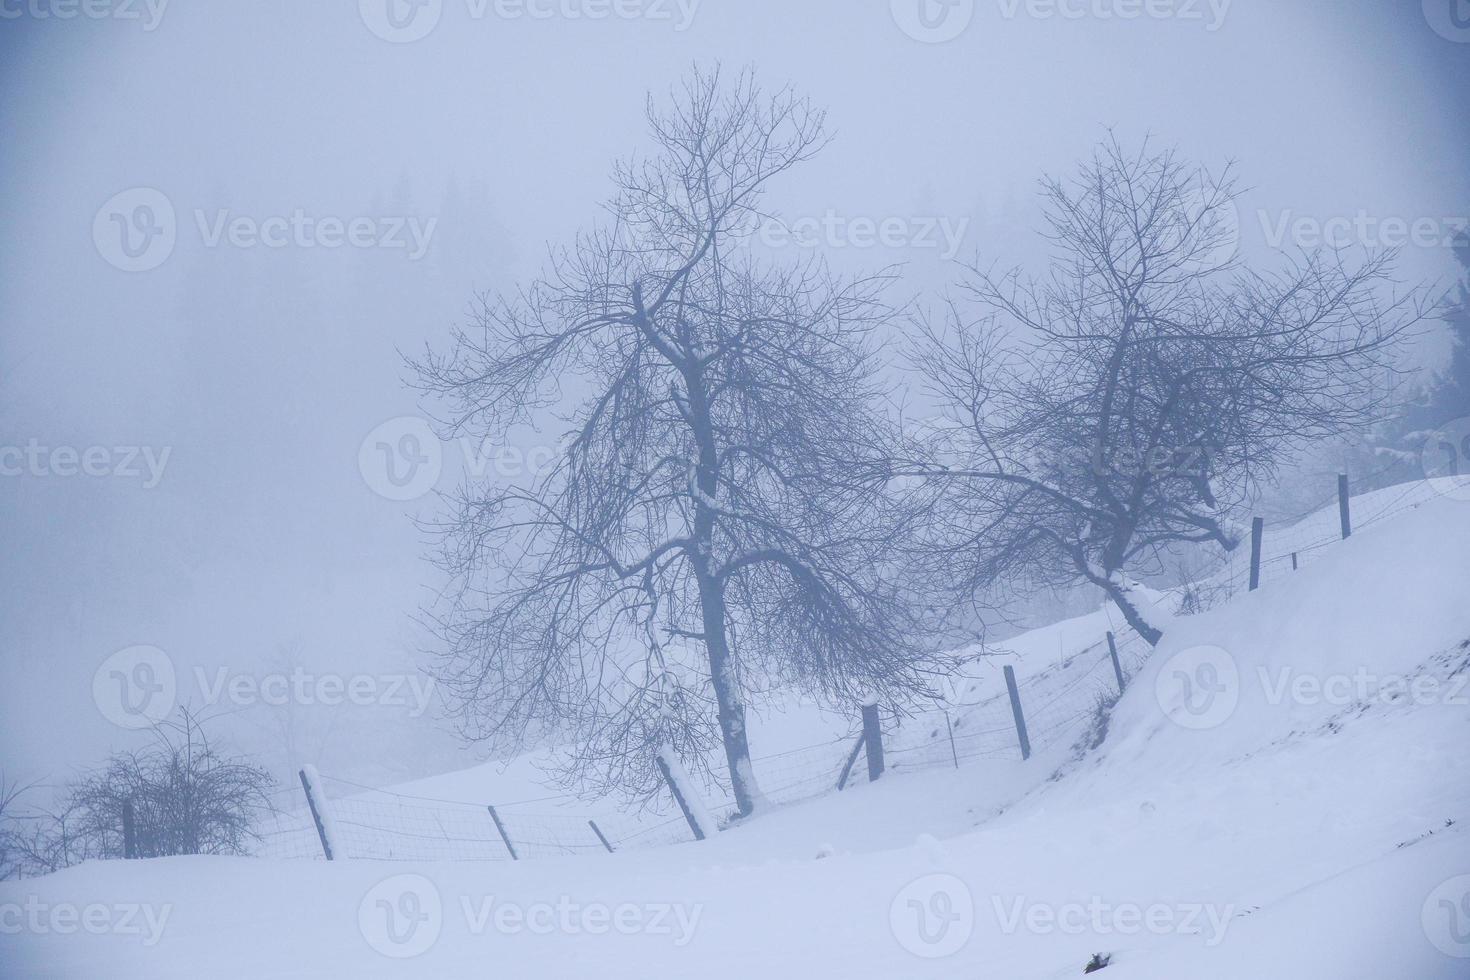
[[186, 798], [1129, 401], [15, 830]]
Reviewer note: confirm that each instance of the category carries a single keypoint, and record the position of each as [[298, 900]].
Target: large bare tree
[[719, 521], [1131, 399]]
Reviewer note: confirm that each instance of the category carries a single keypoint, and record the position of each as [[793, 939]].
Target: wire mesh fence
[[384, 825], [1060, 705], [1289, 545]]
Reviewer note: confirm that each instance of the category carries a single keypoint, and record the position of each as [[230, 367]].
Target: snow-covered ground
[[1283, 792]]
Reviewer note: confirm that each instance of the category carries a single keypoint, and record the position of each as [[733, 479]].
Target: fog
[[338, 198]]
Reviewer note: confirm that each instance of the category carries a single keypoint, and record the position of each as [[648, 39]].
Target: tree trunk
[[712, 605], [727, 695], [1130, 612]]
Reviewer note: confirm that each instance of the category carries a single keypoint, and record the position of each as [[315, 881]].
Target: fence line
[[1061, 703]]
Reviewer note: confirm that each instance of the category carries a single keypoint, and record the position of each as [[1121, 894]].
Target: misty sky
[[247, 373]]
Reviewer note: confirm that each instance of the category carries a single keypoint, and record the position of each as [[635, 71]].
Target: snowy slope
[[1283, 792]]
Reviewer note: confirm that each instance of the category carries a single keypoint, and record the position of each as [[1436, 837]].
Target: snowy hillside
[[1282, 778]]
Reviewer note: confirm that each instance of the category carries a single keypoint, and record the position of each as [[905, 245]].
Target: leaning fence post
[[873, 741], [1016, 711], [316, 801], [129, 831], [1117, 667], [954, 753], [686, 805], [1258, 527], [598, 831], [857, 746], [503, 835], [1342, 506]]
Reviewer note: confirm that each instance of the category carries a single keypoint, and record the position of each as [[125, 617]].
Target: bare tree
[[185, 796], [15, 830], [1130, 400], [719, 520]]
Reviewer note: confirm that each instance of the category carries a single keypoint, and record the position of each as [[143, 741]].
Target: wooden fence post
[[1343, 510], [598, 831], [1016, 711], [1258, 527], [857, 746], [1117, 667], [873, 741], [129, 831], [316, 801], [504, 837], [678, 793], [954, 753]]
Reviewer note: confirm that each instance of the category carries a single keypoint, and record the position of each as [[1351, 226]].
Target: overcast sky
[[309, 188]]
